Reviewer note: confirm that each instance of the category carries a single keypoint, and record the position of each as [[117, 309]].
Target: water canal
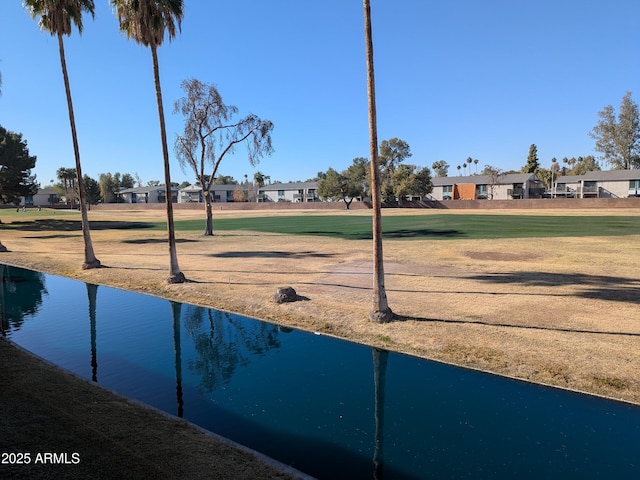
[[329, 408]]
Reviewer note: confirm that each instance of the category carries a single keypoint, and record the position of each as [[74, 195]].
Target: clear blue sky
[[454, 79]]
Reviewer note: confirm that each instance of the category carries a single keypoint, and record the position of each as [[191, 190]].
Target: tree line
[[398, 180]]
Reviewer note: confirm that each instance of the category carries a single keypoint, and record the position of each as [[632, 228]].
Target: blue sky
[[454, 79]]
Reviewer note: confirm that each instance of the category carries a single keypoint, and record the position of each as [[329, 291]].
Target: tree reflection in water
[[380, 358], [25, 288], [92, 294], [176, 313], [222, 343]]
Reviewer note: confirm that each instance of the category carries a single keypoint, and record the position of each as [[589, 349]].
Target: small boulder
[[285, 294]]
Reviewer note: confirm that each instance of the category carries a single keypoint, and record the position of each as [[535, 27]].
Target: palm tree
[[146, 21], [380, 311], [258, 179], [67, 177], [57, 17], [554, 171], [2, 247]]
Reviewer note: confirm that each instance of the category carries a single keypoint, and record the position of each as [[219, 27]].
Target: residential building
[[44, 198], [483, 187], [155, 194], [289, 192], [219, 193], [598, 184]]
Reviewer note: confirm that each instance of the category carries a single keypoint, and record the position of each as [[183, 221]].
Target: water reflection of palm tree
[[92, 293], [4, 326], [379, 376], [176, 313]]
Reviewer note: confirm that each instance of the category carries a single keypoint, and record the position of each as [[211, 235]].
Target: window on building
[[590, 187], [447, 192], [280, 195]]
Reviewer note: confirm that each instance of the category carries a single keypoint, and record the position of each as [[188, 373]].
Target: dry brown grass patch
[[561, 311]]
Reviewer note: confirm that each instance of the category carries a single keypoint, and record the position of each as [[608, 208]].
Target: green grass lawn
[[444, 226]]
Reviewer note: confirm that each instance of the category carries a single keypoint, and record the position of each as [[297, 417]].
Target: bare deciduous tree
[[210, 133]]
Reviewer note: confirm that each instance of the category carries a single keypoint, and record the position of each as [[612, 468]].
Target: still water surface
[[330, 408]]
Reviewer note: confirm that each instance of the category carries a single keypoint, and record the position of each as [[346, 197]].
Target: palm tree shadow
[[596, 287], [405, 318], [271, 254], [144, 241], [388, 234]]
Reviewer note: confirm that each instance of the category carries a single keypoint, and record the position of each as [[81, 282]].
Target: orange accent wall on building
[[464, 191]]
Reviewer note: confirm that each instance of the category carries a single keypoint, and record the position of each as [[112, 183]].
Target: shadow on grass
[[404, 318], [50, 237], [144, 241], [387, 234], [597, 287], [59, 225], [271, 254]]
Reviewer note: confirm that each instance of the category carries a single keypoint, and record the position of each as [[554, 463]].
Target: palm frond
[[58, 16], [146, 21]]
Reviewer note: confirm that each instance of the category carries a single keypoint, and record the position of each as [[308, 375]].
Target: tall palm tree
[[380, 311], [2, 247], [57, 18], [146, 21]]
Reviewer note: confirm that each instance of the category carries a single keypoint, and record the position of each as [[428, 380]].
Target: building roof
[[267, 188], [215, 188], [137, 190], [603, 176], [505, 179], [290, 186], [46, 191]]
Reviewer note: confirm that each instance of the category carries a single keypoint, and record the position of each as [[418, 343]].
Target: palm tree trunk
[[175, 275], [380, 311], [90, 260]]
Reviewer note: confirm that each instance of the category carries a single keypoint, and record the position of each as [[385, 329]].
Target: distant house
[[219, 193], [275, 192], [483, 187], [289, 192], [44, 198], [155, 194], [598, 184]]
